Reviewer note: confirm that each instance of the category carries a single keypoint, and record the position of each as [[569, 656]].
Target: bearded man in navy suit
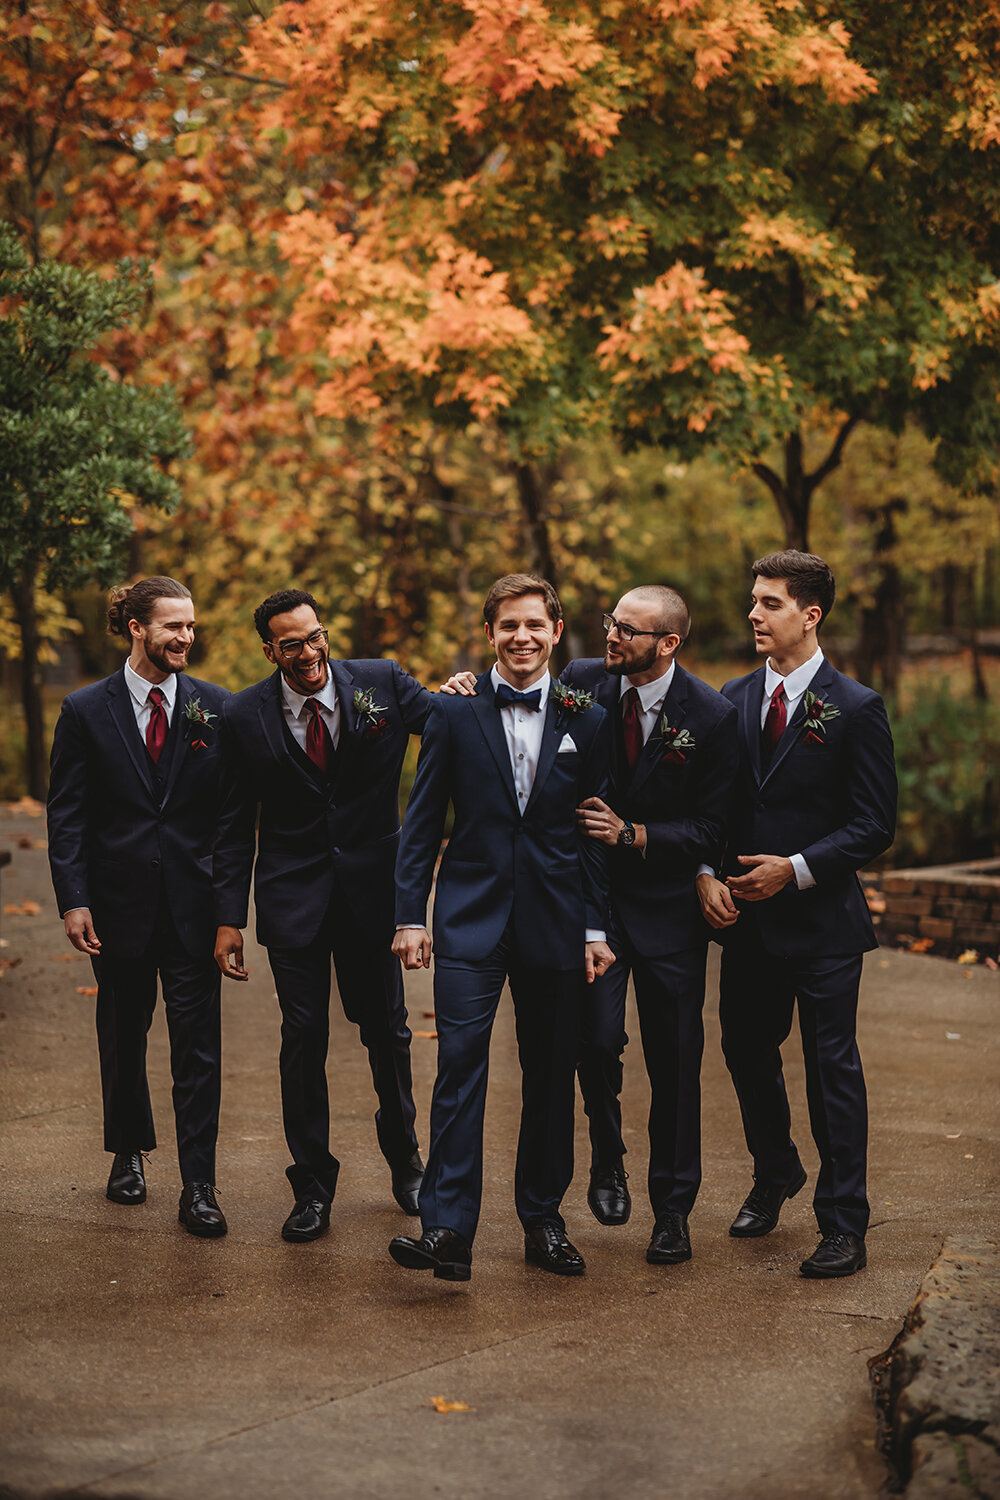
[[318, 747], [673, 765], [816, 800], [133, 796], [521, 895]]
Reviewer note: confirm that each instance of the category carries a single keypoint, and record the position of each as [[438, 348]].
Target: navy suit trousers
[[371, 990], [670, 995], [757, 997], [126, 998], [546, 1015]]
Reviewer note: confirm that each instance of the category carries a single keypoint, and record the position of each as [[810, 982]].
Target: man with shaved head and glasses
[[673, 762], [318, 748]]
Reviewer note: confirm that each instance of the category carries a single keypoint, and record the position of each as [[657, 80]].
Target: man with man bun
[[133, 793]]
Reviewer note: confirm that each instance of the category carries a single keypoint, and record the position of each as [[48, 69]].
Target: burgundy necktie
[[319, 745], [631, 726], [156, 729], [774, 724]]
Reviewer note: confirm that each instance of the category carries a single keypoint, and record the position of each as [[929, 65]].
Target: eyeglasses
[[627, 632], [315, 639]]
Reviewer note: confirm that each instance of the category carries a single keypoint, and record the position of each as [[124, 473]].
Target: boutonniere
[[677, 743], [368, 712], [818, 714], [200, 718], [571, 700]]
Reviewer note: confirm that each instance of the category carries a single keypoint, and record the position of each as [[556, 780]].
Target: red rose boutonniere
[[571, 700], [677, 743], [368, 712], [198, 718], [818, 714]]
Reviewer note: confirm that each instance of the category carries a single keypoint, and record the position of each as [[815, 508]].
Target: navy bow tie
[[506, 695]]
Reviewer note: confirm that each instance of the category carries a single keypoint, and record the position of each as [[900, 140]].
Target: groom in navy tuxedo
[[318, 748], [133, 796], [815, 801], [521, 895]]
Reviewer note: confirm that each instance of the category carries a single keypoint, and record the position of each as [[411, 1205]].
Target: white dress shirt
[[139, 688], [297, 716], [652, 696]]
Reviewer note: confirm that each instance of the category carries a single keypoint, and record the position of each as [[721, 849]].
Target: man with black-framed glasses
[[673, 765], [318, 748]]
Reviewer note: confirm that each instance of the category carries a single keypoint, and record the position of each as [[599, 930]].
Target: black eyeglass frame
[[289, 650], [628, 632]]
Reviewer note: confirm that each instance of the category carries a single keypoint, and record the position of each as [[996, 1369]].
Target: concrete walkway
[[137, 1360]]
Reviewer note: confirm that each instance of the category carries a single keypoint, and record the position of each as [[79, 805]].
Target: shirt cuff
[[704, 870], [595, 935], [803, 875], [410, 927]]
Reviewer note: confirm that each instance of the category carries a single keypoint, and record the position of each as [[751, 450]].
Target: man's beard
[[162, 661], [622, 668]]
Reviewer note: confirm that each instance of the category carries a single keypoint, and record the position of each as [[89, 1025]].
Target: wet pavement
[[138, 1360]]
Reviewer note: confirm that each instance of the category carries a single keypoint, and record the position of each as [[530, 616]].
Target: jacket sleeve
[[871, 792], [413, 698], [698, 838], [68, 811], [594, 778], [423, 825], [235, 834]]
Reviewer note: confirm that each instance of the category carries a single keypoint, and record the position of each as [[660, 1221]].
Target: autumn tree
[[79, 448]]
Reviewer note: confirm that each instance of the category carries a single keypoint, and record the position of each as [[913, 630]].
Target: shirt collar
[[651, 694], [139, 687], [296, 702], [539, 682], [796, 682]]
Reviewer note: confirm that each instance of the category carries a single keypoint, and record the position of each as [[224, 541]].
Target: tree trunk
[[793, 493], [532, 498], [878, 657], [23, 594]]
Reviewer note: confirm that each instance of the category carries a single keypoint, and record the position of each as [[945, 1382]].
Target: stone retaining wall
[[956, 906]]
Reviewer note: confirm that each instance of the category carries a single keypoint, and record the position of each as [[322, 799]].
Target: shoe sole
[[812, 1274], [756, 1234], [413, 1259], [204, 1231], [300, 1237], [661, 1258], [126, 1202], [546, 1265]]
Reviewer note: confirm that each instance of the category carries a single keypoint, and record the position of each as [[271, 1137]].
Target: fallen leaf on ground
[[25, 843], [27, 806], [440, 1403], [991, 963], [969, 1156], [67, 958], [26, 909], [953, 1137], [8, 963], [86, 989], [921, 945], [970, 956], [953, 1036], [430, 1036], [428, 1015]]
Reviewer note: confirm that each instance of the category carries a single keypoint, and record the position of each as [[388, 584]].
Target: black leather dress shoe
[[608, 1194], [670, 1243], [127, 1183], [406, 1182], [836, 1255], [762, 1206], [440, 1250], [199, 1212], [546, 1245], [307, 1221]]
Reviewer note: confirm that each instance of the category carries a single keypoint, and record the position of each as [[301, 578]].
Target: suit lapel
[[793, 729], [552, 733], [350, 729], [272, 722], [673, 710], [484, 706], [123, 716], [754, 692], [179, 729], [607, 691]]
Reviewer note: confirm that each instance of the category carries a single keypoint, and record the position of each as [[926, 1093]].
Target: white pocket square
[[565, 744]]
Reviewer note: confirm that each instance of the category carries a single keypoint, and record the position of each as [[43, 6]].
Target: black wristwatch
[[626, 835]]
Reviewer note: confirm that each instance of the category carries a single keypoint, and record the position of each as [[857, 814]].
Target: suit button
[[334, 851], [761, 806], [154, 863]]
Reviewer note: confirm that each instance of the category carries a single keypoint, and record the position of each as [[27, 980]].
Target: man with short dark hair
[[318, 747], [673, 763], [521, 895], [133, 796], [815, 801]]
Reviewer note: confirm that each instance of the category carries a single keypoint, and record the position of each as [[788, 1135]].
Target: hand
[[768, 874], [716, 903], [79, 927], [461, 683], [229, 953], [599, 959], [598, 821], [413, 945]]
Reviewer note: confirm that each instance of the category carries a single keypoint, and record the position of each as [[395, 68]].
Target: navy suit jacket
[[833, 802], [316, 833], [535, 871], [683, 803], [115, 845]]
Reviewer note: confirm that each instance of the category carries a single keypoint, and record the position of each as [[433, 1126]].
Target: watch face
[[627, 835]]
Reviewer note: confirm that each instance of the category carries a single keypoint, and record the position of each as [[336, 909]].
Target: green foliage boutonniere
[[571, 700], [677, 743], [818, 715], [368, 712], [201, 719]]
